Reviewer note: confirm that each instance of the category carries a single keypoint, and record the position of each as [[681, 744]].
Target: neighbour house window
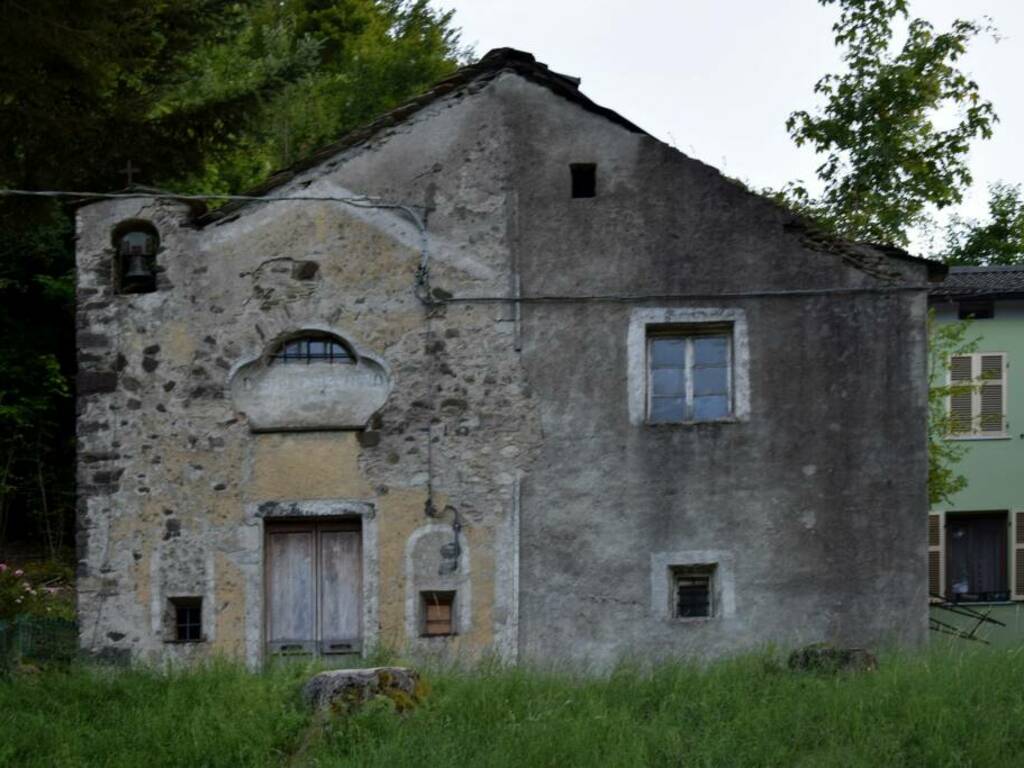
[[976, 558], [312, 349], [689, 373], [438, 613], [188, 623], [693, 591], [977, 404], [977, 309]]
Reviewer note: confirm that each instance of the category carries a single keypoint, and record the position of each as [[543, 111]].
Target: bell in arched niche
[[136, 254]]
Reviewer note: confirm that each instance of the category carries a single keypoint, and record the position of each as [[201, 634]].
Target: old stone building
[[499, 373]]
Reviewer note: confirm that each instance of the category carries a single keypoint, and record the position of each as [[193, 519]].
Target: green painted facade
[[994, 466]]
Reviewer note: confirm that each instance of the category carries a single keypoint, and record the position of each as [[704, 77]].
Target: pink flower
[[19, 573], [3, 567]]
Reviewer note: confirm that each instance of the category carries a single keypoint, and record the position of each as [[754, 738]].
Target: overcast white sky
[[717, 78]]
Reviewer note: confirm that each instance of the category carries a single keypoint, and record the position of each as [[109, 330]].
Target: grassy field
[[940, 709]]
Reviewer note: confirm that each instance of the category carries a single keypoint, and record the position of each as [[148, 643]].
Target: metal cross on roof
[[128, 171]]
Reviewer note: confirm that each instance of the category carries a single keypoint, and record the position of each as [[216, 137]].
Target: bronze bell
[[137, 274]]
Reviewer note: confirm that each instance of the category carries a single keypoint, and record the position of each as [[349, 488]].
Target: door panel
[[314, 587], [341, 589], [291, 598]]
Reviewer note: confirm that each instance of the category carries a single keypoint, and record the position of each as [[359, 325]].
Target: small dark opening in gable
[[981, 309], [584, 179]]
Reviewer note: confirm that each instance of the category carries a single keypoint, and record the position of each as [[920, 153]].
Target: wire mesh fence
[[30, 639]]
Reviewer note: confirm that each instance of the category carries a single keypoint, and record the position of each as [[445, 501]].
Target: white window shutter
[[936, 561], [1017, 563], [961, 404], [991, 394]]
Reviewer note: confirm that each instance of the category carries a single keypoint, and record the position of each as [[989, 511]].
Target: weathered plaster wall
[[168, 464], [816, 497]]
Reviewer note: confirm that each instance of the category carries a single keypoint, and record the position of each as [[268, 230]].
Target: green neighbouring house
[[976, 540]]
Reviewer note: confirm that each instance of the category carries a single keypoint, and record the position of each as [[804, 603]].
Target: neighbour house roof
[[981, 283]]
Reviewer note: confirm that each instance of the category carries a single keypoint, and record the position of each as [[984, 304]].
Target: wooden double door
[[314, 587]]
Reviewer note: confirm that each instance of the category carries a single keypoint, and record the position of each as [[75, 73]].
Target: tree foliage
[[998, 241], [203, 95], [945, 340], [886, 158]]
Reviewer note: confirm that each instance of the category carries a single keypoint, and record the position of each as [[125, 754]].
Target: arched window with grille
[[305, 350]]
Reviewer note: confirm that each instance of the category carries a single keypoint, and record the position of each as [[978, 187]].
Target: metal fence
[[28, 639]]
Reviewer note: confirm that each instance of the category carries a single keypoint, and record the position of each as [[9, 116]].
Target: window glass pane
[[668, 381], [668, 352], [710, 350], [317, 348], [666, 409], [710, 381], [710, 407], [338, 352]]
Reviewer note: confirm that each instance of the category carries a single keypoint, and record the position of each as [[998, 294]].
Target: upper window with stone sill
[[687, 366], [689, 373]]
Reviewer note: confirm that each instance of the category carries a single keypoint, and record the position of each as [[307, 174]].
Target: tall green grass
[[937, 709]]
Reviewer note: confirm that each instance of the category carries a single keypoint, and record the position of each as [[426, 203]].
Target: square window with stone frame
[[689, 373], [185, 619], [693, 591], [438, 613]]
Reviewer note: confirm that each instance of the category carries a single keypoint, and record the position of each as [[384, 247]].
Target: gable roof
[[494, 63], [981, 282]]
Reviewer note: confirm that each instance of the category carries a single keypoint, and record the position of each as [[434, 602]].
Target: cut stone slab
[[346, 689]]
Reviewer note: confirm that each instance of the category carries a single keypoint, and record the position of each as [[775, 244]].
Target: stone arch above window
[[310, 380], [136, 243]]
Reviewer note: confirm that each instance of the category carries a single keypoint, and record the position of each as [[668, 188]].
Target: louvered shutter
[[961, 404], [991, 394], [935, 558], [1018, 556]]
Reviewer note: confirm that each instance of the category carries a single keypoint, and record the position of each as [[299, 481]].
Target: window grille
[[693, 594], [188, 619], [312, 349]]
